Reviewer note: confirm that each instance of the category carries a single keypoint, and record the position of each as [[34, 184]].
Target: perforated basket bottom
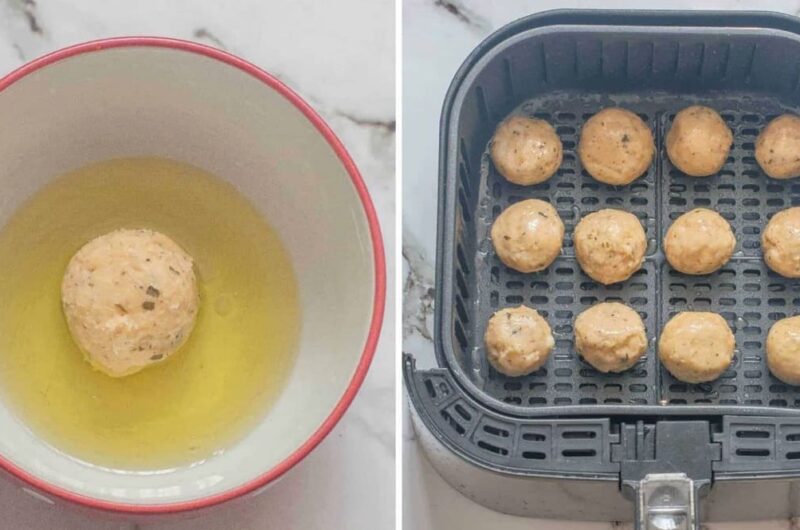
[[748, 296]]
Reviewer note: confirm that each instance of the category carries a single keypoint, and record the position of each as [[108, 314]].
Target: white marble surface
[[340, 57], [437, 36]]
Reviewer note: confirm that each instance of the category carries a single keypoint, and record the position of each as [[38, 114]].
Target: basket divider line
[[659, 206]]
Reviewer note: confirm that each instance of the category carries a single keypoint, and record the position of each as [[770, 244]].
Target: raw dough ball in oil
[[699, 242], [699, 141], [696, 347], [783, 350], [527, 235], [780, 243], [778, 147], [526, 151], [130, 298], [616, 147], [610, 245], [518, 341], [610, 336]]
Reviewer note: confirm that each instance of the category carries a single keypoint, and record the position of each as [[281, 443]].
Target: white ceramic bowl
[[185, 101]]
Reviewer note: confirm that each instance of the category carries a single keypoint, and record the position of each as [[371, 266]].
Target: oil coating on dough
[[780, 243], [526, 151], [610, 245], [696, 347], [528, 235], [616, 147], [130, 299], [699, 242], [778, 147], [699, 141], [783, 350], [610, 336], [518, 341]]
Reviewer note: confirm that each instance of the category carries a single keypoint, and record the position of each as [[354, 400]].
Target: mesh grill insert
[[749, 296]]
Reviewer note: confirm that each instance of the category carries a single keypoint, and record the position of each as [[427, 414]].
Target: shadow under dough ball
[[699, 242], [783, 350], [778, 147], [616, 147], [518, 341], [526, 151], [780, 243], [610, 336], [610, 245], [527, 236], [699, 141], [696, 347]]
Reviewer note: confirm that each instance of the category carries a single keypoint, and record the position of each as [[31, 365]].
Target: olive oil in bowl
[[208, 394]]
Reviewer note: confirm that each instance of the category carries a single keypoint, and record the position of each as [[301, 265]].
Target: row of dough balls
[[616, 146], [610, 245], [695, 347]]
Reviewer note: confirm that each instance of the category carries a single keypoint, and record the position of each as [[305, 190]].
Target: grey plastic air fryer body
[[568, 441]]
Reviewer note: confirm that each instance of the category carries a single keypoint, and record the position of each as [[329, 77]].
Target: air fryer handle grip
[[667, 501]]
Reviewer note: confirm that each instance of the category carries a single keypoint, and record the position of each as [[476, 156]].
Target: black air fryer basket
[[642, 428]]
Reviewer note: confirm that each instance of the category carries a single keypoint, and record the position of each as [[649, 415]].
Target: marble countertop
[[295, 41], [437, 36]]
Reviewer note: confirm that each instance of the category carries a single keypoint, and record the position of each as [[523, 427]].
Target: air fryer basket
[[564, 67]]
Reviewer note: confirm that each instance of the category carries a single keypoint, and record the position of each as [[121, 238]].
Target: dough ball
[[527, 235], [518, 341], [610, 336], [699, 141], [696, 347], [610, 245], [699, 242], [780, 243], [616, 146], [778, 147], [130, 299], [526, 151], [783, 350]]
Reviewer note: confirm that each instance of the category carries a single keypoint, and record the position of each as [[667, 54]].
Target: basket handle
[[667, 501], [664, 469]]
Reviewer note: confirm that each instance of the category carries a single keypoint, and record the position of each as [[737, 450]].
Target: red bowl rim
[[378, 258]]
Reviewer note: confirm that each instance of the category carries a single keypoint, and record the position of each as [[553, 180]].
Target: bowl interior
[[159, 101]]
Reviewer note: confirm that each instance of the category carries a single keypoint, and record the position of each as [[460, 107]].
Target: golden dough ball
[[778, 147], [526, 151], [616, 147], [518, 341], [783, 350], [696, 347], [528, 235], [610, 245], [610, 336], [699, 141], [699, 242], [130, 298], [780, 243]]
